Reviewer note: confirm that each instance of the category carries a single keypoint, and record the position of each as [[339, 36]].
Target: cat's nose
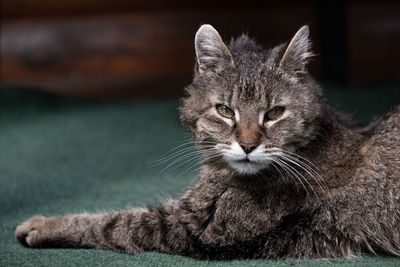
[[248, 147]]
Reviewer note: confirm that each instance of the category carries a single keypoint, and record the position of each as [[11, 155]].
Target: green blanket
[[60, 155]]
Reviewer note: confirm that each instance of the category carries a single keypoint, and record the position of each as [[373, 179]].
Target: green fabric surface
[[60, 155]]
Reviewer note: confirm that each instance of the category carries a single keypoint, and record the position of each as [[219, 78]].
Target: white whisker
[[296, 163], [293, 172], [289, 173], [309, 170], [276, 168], [200, 162], [301, 176], [310, 165], [179, 153], [183, 157]]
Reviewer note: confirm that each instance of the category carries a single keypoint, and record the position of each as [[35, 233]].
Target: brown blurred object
[[374, 41], [144, 49]]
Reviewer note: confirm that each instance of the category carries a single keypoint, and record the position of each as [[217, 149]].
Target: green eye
[[274, 113], [225, 111]]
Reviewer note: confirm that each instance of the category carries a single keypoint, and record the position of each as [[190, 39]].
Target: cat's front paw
[[32, 233]]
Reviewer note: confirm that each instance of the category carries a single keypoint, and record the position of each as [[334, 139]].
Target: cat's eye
[[225, 111], [274, 113]]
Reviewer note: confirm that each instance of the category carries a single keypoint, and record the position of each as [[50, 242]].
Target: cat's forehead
[[254, 80], [253, 88]]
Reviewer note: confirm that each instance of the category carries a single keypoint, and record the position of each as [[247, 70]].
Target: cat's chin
[[248, 167]]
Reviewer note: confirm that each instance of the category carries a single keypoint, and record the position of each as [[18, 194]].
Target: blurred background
[[139, 49]]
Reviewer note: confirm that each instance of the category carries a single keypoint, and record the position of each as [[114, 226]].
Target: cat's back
[[382, 143]]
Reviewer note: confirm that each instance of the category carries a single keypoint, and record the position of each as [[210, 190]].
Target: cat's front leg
[[104, 231], [172, 227], [166, 228]]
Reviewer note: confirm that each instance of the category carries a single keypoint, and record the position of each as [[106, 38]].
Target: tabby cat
[[285, 174]]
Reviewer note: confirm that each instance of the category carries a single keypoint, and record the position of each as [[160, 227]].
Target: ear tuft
[[211, 52], [297, 53]]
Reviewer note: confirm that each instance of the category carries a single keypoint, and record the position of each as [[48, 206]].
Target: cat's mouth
[[245, 160], [245, 163], [247, 166]]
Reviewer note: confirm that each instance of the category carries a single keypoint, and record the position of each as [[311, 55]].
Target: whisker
[[190, 154], [179, 146], [310, 170], [290, 170], [191, 143], [310, 164], [289, 173], [300, 175], [196, 164], [218, 162], [295, 163], [201, 162], [292, 160], [188, 161], [180, 152], [263, 176], [175, 154], [276, 168]]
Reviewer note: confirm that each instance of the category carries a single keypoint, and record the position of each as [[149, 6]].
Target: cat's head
[[247, 103]]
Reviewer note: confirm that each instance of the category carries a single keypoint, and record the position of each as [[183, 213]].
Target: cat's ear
[[297, 53], [211, 52]]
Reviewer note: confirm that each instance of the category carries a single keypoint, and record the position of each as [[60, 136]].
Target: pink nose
[[248, 147]]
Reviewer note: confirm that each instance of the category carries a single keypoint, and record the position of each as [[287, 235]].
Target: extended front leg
[[170, 227], [127, 231], [105, 231]]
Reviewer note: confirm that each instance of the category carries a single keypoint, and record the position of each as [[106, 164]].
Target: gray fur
[[335, 192], [211, 51], [297, 52]]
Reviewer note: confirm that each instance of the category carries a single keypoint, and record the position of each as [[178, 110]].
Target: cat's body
[[303, 180]]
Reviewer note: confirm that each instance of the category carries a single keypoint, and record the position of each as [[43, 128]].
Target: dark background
[[139, 49]]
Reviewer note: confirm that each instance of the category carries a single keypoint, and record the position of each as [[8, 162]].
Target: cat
[[285, 174]]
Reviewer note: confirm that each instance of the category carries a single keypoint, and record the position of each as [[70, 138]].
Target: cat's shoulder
[[384, 133], [387, 124]]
